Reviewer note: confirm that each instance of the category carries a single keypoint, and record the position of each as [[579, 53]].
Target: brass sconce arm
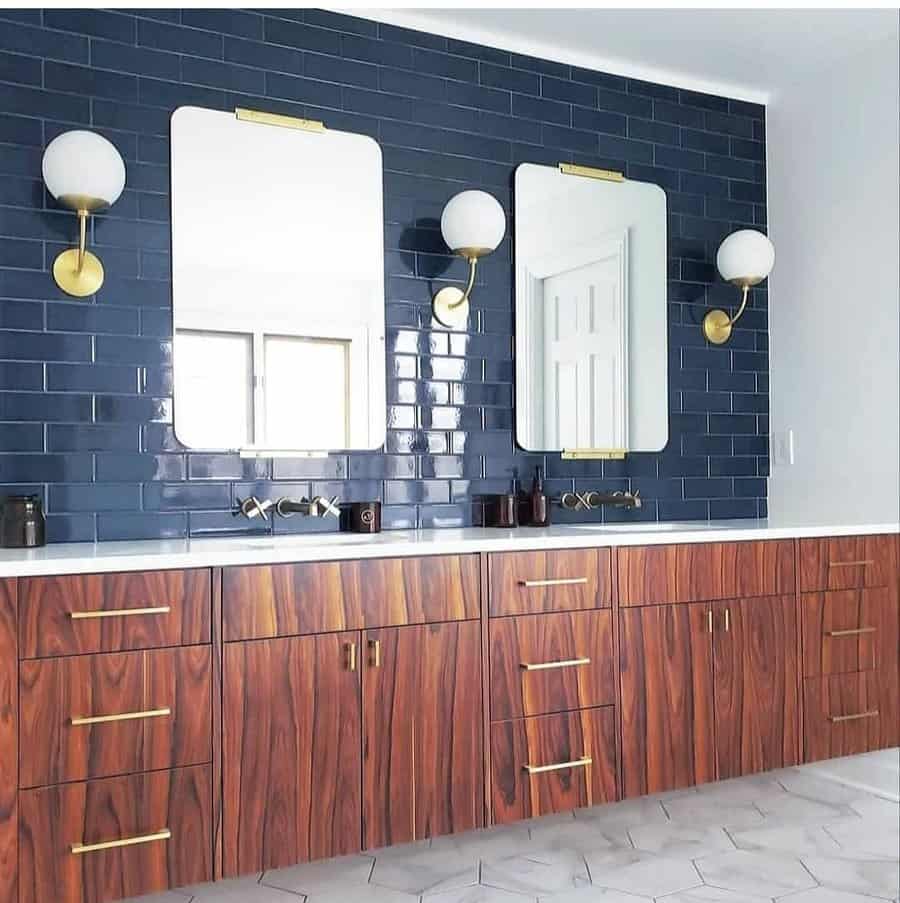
[[717, 323], [473, 262], [451, 306], [82, 237]]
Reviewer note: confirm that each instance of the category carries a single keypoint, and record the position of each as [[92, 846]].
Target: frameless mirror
[[277, 285], [591, 350]]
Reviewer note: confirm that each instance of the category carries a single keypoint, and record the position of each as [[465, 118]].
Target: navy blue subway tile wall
[[85, 386]]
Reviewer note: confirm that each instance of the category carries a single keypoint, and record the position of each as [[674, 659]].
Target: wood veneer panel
[[665, 663], [422, 729], [46, 627], [9, 744], [291, 751], [549, 740], [55, 818], [846, 695], [550, 639], [53, 691], [646, 575], [755, 680], [291, 599], [848, 562], [843, 612], [547, 573], [733, 570]]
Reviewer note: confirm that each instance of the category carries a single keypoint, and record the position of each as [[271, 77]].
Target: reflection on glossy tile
[[877, 878]]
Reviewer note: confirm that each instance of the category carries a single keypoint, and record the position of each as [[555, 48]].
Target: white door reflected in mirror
[[277, 286], [591, 346]]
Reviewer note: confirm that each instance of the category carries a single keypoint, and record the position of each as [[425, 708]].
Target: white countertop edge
[[107, 557]]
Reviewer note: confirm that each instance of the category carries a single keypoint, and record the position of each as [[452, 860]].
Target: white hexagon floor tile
[[874, 877], [706, 894], [828, 895], [324, 876], [478, 894], [239, 890], [868, 839], [488, 843], [793, 809], [594, 895], [649, 876], [707, 811], [788, 840], [680, 841], [365, 893], [613, 817], [755, 873], [426, 871], [583, 836], [802, 782], [547, 872]]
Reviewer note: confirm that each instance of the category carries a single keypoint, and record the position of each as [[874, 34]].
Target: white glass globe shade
[[745, 256], [473, 220], [83, 169]]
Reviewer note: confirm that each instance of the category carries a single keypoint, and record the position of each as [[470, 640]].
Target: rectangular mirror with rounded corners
[[591, 332], [277, 284]]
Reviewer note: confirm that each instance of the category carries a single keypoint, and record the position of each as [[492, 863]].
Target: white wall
[[834, 304]]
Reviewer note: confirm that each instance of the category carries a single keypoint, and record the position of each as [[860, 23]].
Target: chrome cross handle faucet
[[317, 506]]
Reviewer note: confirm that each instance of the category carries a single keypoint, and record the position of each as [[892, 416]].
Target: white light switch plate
[[783, 448]]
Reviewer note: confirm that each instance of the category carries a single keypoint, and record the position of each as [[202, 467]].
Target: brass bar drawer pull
[[119, 612], [350, 649], [549, 666], [124, 716], [375, 653], [559, 581], [865, 562], [559, 766], [837, 719], [854, 632], [80, 848]]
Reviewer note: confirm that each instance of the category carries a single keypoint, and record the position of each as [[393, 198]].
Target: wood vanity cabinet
[[709, 689], [336, 742]]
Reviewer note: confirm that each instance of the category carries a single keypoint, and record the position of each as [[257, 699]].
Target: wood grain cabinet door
[[95, 841], [552, 763], [291, 751], [551, 663], [422, 714], [848, 562], [756, 685], [665, 660]]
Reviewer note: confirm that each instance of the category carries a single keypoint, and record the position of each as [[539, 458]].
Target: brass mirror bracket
[[717, 324], [450, 305], [593, 454], [77, 271]]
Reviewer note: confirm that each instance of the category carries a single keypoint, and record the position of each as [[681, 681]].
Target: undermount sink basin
[[648, 527]]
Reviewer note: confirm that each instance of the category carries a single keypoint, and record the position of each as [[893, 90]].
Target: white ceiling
[[746, 53]]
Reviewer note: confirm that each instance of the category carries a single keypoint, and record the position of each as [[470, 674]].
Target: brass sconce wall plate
[[77, 271]]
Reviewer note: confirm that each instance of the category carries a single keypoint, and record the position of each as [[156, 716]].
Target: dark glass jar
[[22, 523]]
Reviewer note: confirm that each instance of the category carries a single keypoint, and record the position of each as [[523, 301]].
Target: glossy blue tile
[[29, 468], [65, 497], [71, 371]]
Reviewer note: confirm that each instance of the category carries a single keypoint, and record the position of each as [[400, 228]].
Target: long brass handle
[[709, 621], [854, 632], [375, 650], [727, 620], [558, 581], [559, 766], [863, 562], [119, 612], [350, 649], [548, 666], [836, 719], [76, 721], [79, 848]]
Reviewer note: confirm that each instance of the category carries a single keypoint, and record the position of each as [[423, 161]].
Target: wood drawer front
[[569, 657], [846, 714], [532, 582], [552, 740], [698, 572], [53, 819], [847, 562], [291, 599], [101, 612], [166, 692], [848, 630]]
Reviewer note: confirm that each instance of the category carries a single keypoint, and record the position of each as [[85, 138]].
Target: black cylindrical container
[[365, 517], [22, 523]]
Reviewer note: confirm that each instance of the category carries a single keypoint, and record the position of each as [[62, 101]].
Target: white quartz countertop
[[78, 558]]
